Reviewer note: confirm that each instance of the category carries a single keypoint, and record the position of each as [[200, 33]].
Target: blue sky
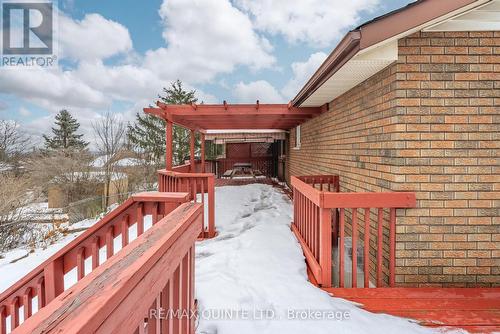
[[118, 54]]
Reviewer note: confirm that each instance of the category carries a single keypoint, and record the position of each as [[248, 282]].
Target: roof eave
[[344, 51], [378, 30]]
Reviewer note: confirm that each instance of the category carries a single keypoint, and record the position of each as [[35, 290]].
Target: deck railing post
[[211, 206], [54, 279], [191, 152], [325, 246], [202, 149], [169, 145]]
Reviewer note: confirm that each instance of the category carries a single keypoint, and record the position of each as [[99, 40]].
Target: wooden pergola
[[203, 117]]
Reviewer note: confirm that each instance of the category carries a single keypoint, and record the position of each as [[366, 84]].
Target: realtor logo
[[27, 33]]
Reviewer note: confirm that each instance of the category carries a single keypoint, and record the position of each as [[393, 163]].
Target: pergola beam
[[202, 117], [236, 109]]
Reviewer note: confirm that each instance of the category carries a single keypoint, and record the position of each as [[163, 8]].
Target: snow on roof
[[99, 162], [125, 162], [98, 176]]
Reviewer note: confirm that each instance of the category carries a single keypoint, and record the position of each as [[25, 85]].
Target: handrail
[[313, 219], [195, 184], [134, 290], [184, 174], [46, 281]]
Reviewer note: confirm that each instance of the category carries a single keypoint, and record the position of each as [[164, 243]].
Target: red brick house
[[412, 103]]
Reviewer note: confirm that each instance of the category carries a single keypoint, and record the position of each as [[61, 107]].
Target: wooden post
[[202, 152], [392, 247], [191, 152], [169, 145], [54, 279], [211, 206], [325, 246]]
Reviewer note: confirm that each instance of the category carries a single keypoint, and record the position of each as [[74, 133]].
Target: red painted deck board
[[435, 293], [474, 309]]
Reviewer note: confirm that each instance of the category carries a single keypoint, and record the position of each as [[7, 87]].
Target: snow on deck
[[252, 277]]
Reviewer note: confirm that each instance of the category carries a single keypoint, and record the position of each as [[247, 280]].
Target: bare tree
[[14, 230], [13, 142], [109, 133], [61, 167]]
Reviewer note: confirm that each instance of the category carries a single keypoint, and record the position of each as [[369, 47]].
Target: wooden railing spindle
[[109, 242], [27, 303], [124, 227], [341, 247], [14, 313], [379, 246], [3, 320], [95, 252], [392, 247], [140, 219], [80, 263], [354, 243], [366, 249], [40, 292]]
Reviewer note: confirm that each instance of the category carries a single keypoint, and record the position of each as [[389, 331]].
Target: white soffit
[[359, 68], [482, 18], [483, 15]]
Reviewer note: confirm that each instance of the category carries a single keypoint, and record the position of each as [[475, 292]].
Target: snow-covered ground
[[41, 212], [20, 261], [252, 277]]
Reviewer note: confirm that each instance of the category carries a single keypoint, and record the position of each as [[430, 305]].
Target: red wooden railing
[[136, 290], [46, 282], [210, 167], [197, 185], [315, 198]]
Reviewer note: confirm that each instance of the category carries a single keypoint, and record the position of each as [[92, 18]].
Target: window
[[297, 137]]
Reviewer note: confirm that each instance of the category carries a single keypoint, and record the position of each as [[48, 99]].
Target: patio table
[[243, 167]]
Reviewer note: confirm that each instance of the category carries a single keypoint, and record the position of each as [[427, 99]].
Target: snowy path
[[255, 268]]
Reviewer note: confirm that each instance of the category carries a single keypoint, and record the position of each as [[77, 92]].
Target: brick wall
[[429, 123]]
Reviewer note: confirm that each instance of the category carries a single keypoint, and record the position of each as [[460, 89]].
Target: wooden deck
[[476, 310]]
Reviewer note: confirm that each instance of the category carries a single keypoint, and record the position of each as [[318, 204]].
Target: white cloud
[[265, 92], [257, 90], [205, 38], [317, 22], [24, 112], [302, 71], [94, 37], [122, 82], [50, 87]]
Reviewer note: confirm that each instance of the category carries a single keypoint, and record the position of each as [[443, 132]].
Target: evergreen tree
[[148, 133], [64, 134]]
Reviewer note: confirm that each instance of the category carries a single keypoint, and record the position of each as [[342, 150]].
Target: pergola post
[[191, 152], [168, 145], [202, 149]]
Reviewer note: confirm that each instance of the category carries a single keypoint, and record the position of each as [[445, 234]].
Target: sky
[[117, 55]]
